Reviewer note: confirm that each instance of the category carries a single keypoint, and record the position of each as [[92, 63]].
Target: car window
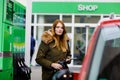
[[110, 64], [105, 53]]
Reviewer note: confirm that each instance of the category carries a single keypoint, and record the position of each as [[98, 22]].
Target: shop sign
[[76, 7], [82, 7]]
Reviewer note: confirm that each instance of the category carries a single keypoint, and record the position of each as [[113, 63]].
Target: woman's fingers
[[56, 66]]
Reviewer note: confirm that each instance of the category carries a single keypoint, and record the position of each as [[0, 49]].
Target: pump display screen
[[9, 10]]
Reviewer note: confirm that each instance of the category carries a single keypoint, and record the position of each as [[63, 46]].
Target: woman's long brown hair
[[60, 41]]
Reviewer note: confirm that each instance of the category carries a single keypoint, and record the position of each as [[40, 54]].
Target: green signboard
[[76, 7]]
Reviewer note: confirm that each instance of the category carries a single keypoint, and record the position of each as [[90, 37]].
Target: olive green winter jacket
[[47, 55]]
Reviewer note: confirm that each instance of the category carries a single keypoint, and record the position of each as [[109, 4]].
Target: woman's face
[[59, 29]]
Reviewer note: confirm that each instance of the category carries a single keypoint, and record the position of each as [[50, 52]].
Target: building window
[[47, 18], [67, 18], [86, 19]]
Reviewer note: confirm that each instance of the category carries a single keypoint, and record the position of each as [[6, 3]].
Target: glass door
[[82, 36]]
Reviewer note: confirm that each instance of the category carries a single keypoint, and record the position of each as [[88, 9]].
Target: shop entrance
[[82, 36]]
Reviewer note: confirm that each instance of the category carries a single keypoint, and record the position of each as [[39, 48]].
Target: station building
[[17, 22], [80, 18]]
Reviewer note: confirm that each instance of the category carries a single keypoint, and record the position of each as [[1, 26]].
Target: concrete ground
[[36, 73]]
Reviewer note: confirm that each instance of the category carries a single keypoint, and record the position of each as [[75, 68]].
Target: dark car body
[[102, 59]]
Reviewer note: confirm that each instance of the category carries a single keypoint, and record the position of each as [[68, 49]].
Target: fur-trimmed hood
[[47, 37]]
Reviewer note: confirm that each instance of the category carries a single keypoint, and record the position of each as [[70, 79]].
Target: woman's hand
[[68, 60], [56, 66]]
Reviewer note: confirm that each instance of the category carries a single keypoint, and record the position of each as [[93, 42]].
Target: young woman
[[53, 48]]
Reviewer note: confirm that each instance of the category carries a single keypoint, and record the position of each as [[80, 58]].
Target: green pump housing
[[12, 35]]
